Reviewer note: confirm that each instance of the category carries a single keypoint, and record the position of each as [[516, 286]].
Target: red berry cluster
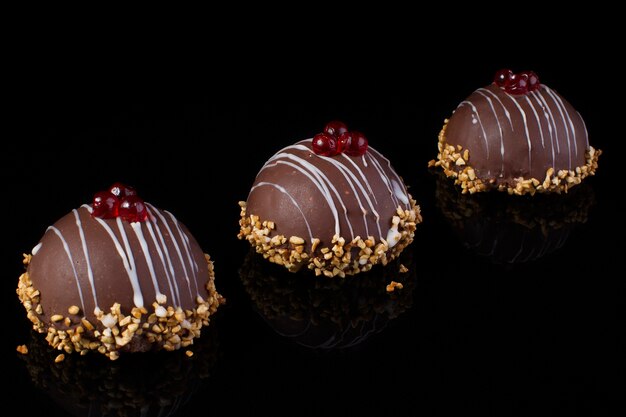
[[119, 201], [336, 139], [521, 83]]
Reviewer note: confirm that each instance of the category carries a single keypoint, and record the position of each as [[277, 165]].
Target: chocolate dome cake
[[331, 203], [118, 275], [516, 135]]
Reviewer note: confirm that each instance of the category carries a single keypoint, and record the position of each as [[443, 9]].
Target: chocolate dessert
[[516, 135], [118, 275], [332, 203]]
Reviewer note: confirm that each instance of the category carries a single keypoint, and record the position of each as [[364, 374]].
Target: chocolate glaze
[[52, 273], [312, 196], [79, 263], [511, 136]]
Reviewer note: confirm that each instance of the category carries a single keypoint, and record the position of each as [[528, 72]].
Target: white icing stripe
[[186, 237], [83, 241], [547, 116], [131, 274], [192, 263], [173, 287], [558, 107], [319, 181], [36, 248], [397, 190], [352, 170], [495, 115], [530, 147], [469, 103], [176, 246], [161, 250], [506, 111], [295, 203], [361, 174], [69, 257], [343, 169], [384, 178], [585, 127], [569, 119], [351, 179], [538, 120], [146, 253], [552, 119], [391, 170], [393, 236], [134, 280]]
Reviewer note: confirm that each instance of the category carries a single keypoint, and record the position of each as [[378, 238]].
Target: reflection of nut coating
[[149, 384], [318, 312], [510, 229]]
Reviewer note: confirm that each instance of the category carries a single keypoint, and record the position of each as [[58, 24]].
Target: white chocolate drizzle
[[550, 103], [353, 171], [71, 259], [36, 248], [130, 255], [293, 201], [81, 233], [475, 112]]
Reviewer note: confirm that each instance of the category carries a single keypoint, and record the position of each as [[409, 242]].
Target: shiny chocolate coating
[[511, 136], [317, 197], [94, 283], [93, 263]]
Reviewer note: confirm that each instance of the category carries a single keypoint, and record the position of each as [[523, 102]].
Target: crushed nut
[[174, 328], [393, 285], [336, 258], [455, 166]]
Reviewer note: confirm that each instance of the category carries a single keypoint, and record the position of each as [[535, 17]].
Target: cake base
[[341, 259], [165, 327]]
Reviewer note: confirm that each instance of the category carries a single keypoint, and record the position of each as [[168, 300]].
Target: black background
[[540, 338]]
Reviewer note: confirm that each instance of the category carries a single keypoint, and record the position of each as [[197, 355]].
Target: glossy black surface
[[480, 336]]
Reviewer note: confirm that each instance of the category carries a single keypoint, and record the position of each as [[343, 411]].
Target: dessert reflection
[[328, 313], [513, 229], [140, 384]]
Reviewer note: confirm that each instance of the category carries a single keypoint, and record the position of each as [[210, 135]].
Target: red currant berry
[[324, 144], [335, 128], [122, 190], [517, 84], [502, 77], [354, 143], [533, 80], [133, 209], [105, 205]]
